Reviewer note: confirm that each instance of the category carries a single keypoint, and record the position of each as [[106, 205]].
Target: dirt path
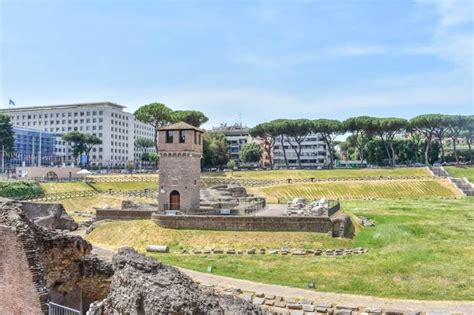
[[434, 307]]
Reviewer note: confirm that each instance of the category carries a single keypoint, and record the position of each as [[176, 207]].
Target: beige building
[[48, 173], [180, 152], [108, 121]]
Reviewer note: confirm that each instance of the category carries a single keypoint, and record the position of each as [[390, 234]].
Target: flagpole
[[3, 159]]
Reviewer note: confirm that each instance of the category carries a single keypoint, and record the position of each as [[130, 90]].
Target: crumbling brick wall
[[22, 284]]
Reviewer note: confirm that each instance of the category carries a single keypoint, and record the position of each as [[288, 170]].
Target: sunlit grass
[[359, 190], [419, 249]]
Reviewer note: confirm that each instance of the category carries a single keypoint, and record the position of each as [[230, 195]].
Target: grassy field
[[461, 171], [419, 249], [51, 188], [126, 185], [283, 174], [359, 190]]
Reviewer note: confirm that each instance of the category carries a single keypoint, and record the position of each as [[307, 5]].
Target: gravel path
[[434, 307]]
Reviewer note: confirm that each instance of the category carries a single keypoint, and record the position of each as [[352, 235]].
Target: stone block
[[305, 301], [291, 300], [230, 251], [294, 306], [281, 304], [296, 312], [260, 295], [258, 301], [393, 312], [246, 296], [269, 302], [206, 251], [217, 251], [197, 251], [262, 251], [270, 296], [251, 251], [308, 308], [374, 311], [343, 312], [299, 252], [321, 309]]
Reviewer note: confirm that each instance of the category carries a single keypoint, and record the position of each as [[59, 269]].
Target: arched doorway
[[51, 176], [174, 200]]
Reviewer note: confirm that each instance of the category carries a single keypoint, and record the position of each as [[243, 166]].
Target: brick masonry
[[244, 223], [123, 214], [22, 287]]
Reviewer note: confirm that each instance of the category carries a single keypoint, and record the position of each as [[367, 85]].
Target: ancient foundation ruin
[[39, 265]]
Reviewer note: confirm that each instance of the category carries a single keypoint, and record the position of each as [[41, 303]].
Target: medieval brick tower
[[180, 153]]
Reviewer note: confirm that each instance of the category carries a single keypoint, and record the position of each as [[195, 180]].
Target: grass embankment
[[52, 188], [461, 171], [418, 250], [390, 189], [105, 186], [336, 173]]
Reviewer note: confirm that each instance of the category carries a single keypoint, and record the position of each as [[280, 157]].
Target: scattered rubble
[[282, 251]]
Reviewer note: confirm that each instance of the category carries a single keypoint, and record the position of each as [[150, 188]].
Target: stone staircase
[[461, 183], [439, 171], [464, 185]]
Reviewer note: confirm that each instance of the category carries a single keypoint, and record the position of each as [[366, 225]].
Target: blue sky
[[260, 59]]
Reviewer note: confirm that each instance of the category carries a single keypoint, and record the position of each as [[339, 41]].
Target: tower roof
[[180, 126]]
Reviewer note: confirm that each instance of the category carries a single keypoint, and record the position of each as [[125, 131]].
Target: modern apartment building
[[237, 136], [108, 121], [314, 153]]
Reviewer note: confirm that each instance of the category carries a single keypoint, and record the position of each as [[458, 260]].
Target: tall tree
[[7, 136], [90, 141], [387, 129], [297, 130], [467, 134], [362, 128], [427, 125], [456, 124], [79, 145], [141, 144], [192, 117], [156, 115], [267, 133], [280, 126], [250, 153], [328, 129], [441, 127], [215, 150]]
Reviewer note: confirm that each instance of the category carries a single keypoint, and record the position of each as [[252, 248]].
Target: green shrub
[[20, 190]]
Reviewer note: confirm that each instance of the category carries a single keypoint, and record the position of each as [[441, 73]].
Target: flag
[[11, 102]]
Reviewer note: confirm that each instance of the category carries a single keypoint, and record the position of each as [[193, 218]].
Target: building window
[[169, 136], [199, 139], [195, 138], [182, 136]]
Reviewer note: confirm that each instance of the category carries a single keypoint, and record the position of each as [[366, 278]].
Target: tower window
[[182, 136], [169, 136]]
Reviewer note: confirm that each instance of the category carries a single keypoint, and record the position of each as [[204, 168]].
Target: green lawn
[[461, 171], [51, 188], [364, 172], [359, 190], [125, 185], [419, 249]]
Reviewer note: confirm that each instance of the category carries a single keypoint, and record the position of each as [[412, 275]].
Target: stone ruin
[[47, 265], [224, 196]]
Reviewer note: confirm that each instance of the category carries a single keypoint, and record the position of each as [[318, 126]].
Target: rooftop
[[181, 126], [60, 106]]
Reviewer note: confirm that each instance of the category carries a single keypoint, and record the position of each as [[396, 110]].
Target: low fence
[[120, 179], [244, 223], [248, 205]]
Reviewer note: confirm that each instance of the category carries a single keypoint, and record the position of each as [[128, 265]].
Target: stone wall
[[244, 223], [22, 290], [104, 214]]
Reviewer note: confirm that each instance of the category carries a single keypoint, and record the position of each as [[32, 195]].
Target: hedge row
[[20, 190]]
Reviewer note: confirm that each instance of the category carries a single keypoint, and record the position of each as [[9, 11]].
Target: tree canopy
[[7, 136], [192, 117], [250, 153]]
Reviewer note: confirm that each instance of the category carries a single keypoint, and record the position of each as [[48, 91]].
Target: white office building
[[314, 153], [108, 121]]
